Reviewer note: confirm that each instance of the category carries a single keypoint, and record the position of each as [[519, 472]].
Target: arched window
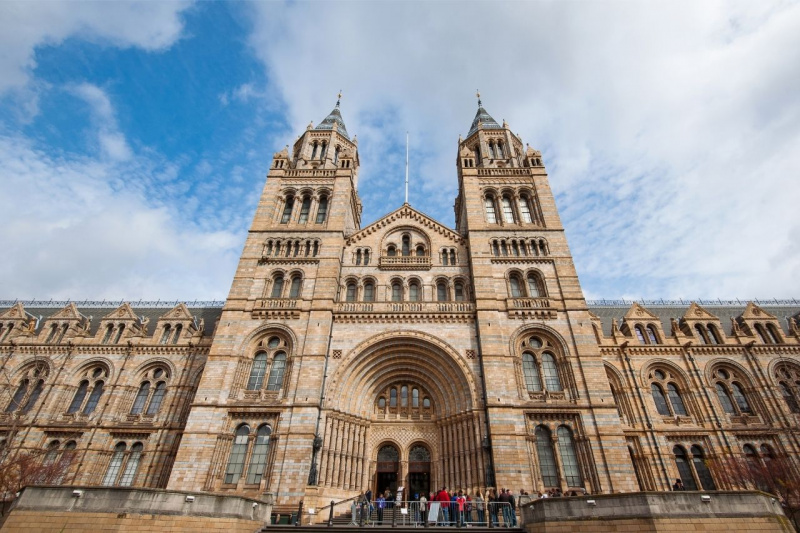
[[701, 333], [550, 372], [404, 396], [158, 397], [406, 245], [397, 292], [322, 210], [141, 398], [515, 286], [369, 292], [569, 459], [684, 469], [676, 400], [420, 251], [287, 210], [741, 399], [525, 209], [34, 397], [109, 331], [336, 155], [382, 402], [115, 465], [314, 151], [714, 334], [393, 398], [350, 295], [651, 334], [500, 153], [132, 465], [305, 207], [659, 399], [789, 398], [324, 150], [277, 286], [763, 334], [258, 462], [165, 335], [16, 400], [459, 291], [441, 292], [414, 397], [366, 257], [257, 371], [80, 395], [491, 149], [94, 398], [177, 336], [413, 292], [275, 381], [491, 214], [534, 289], [238, 453], [698, 460], [640, 334], [426, 403], [547, 459], [52, 335], [391, 251], [294, 288], [773, 333], [531, 372], [508, 211], [725, 399]]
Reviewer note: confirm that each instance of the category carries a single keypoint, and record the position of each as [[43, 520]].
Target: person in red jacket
[[444, 499]]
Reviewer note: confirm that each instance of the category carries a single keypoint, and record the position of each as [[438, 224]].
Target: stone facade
[[404, 353]]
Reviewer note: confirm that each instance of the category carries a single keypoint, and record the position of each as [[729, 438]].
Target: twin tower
[[404, 353]]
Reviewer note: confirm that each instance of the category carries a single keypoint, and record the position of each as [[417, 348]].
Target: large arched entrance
[[401, 412]]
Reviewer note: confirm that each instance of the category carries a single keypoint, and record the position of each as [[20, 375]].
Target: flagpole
[[406, 167]]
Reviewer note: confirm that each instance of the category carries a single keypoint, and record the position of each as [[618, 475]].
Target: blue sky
[[135, 137]]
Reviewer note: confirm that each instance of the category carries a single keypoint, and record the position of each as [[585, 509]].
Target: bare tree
[[776, 475]]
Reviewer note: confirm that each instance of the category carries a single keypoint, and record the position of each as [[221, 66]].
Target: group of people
[[363, 506]]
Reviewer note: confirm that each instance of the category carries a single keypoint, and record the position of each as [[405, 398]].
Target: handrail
[[337, 503]]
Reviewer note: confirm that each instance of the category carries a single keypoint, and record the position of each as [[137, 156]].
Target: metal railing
[[431, 514]]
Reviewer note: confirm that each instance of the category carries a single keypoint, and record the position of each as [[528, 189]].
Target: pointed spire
[[483, 119], [335, 117]]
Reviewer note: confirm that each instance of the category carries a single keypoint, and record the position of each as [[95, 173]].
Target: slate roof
[[485, 119], [210, 314], [334, 116], [608, 313]]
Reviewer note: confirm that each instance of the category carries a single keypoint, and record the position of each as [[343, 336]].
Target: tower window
[[369, 292], [287, 210], [294, 288], [491, 214], [322, 210], [350, 295], [413, 292], [305, 207], [441, 292], [277, 287], [406, 245], [508, 211], [397, 292], [459, 292]]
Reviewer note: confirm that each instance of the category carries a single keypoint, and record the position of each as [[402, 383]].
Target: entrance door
[[419, 472], [388, 467]]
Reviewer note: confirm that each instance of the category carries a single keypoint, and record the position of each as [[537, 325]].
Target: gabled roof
[[334, 117], [409, 213]]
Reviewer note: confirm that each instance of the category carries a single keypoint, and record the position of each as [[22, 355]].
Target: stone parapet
[[85, 508], [657, 511]]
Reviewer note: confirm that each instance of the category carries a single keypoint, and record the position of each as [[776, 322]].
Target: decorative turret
[[326, 146], [491, 144]]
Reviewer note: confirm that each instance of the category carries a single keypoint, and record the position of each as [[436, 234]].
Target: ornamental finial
[[478, 94], [338, 97]]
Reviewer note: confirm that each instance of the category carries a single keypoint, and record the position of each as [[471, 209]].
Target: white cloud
[[111, 141], [671, 130], [24, 25], [86, 228]]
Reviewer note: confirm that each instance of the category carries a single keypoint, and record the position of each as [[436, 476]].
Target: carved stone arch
[[781, 361], [490, 190], [395, 236], [404, 354], [250, 342], [430, 446], [678, 372], [145, 367], [624, 405], [515, 339], [718, 362], [194, 379], [289, 191], [368, 278], [305, 191], [387, 441], [103, 361], [31, 362]]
